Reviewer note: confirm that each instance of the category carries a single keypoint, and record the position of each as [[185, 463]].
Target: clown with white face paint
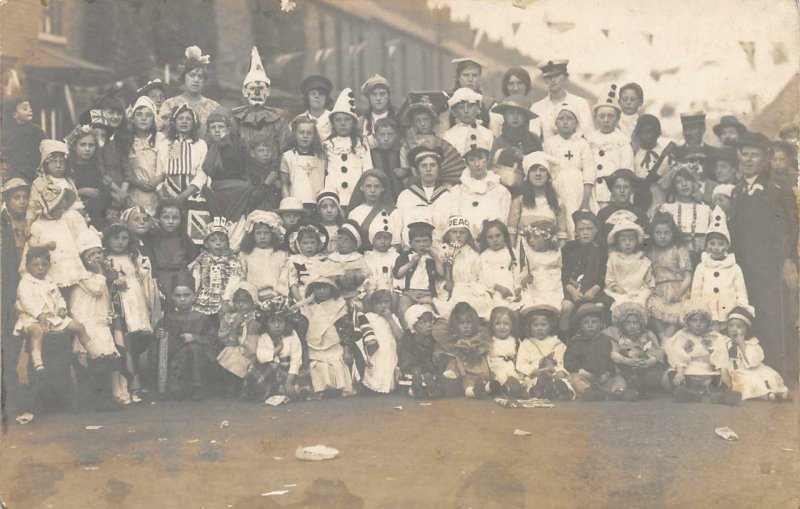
[[259, 125]]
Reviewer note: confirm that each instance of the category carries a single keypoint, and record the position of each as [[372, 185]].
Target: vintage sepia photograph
[[344, 254]]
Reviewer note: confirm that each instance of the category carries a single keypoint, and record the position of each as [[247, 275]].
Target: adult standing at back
[[263, 132], [764, 234], [193, 78], [555, 76], [468, 75]]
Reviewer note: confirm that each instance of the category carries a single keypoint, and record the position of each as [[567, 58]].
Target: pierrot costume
[[344, 164], [463, 136]]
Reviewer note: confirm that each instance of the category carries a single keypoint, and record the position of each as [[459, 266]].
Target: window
[[51, 27]]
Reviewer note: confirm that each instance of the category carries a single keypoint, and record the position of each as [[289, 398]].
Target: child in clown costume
[[347, 155]]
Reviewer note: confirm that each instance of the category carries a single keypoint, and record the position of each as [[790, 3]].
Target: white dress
[[133, 299], [633, 274], [379, 374], [265, 269], [498, 268], [610, 152], [574, 168], [344, 167], [380, 269], [468, 285], [752, 378], [502, 359], [545, 267], [90, 305], [306, 174], [66, 267]]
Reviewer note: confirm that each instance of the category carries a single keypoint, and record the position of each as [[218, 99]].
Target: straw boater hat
[[152, 85], [541, 309]]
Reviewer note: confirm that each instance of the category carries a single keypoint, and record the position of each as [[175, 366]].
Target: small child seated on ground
[[588, 359]]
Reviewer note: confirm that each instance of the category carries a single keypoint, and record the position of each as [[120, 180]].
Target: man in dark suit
[[764, 227]]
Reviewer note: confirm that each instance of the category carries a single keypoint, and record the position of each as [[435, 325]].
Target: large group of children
[[457, 247]]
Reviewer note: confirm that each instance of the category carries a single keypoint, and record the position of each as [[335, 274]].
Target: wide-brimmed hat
[[587, 309], [729, 121], [516, 103], [541, 309], [316, 82]]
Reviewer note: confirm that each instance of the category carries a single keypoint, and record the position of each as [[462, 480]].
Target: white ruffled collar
[[479, 186]]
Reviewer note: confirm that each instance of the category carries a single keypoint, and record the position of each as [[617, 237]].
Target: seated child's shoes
[[593, 395], [563, 390], [495, 388], [470, 392], [514, 389], [683, 394], [629, 395]]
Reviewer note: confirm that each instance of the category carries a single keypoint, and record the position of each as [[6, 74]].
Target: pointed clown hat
[[256, 70], [719, 224], [345, 103]]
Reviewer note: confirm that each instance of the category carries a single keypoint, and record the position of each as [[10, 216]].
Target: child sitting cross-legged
[[419, 367], [699, 360], [636, 350], [276, 369], [466, 341], [239, 331], [751, 377], [588, 359], [541, 354]]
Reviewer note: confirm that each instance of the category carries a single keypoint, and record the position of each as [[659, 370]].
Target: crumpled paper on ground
[[726, 433], [315, 453], [524, 403]]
